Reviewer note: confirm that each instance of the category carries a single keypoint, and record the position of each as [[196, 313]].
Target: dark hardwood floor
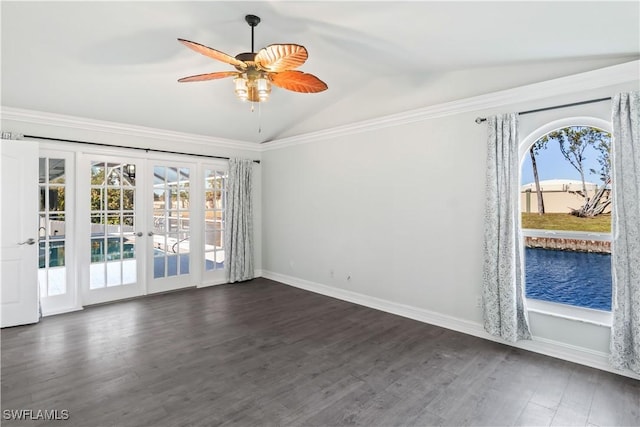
[[262, 353]]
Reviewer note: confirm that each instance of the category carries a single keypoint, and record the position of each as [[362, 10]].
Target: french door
[[115, 227], [139, 221], [171, 217]]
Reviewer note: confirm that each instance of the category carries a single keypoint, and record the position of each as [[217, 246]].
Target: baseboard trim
[[212, 283], [61, 311], [559, 350]]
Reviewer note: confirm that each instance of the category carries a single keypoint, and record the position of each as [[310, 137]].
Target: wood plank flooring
[[265, 354]]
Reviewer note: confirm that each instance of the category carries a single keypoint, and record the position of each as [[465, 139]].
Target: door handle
[[29, 241], [150, 233], [139, 233]]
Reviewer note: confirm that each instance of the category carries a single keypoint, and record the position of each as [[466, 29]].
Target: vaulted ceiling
[[120, 61]]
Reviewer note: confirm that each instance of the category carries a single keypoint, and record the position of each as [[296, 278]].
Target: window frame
[[565, 311]]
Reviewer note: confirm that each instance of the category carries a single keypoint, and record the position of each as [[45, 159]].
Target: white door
[[114, 229], [171, 258], [19, 227]]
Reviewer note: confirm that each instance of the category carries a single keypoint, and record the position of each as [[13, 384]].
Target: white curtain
[[625, 253], [238, 239], [503, 276]]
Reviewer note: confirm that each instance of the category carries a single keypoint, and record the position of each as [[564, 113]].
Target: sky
[[552, 165]]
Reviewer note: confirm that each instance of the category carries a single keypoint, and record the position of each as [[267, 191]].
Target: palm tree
[[533, 151]]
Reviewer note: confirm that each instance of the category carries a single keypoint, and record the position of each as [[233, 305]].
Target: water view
[[581, 279]]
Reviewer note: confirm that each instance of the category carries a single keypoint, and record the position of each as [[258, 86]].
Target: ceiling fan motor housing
[[252, 20]]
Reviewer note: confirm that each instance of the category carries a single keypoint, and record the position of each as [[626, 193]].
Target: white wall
[[399, 210]]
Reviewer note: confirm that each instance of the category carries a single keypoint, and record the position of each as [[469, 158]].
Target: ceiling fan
[[256, 72]]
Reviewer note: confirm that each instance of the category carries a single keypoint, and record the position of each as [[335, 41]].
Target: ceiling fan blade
[[298, 81], [281, 57], [212, 53], [208, 76]]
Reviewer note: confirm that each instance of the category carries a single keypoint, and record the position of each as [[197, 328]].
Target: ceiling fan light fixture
[[263, 85], [242, 89]]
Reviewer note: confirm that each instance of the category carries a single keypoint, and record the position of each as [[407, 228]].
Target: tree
[[573, 142], [533, 152]]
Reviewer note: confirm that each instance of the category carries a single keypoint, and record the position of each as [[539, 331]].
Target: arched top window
[[565, 203]]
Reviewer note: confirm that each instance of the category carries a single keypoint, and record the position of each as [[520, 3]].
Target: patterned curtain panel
[[238, 239], [625, 249], [503, 276]]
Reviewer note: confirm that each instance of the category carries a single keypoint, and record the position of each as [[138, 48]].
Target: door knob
[[139, 233], [29, 241], [150, 233]]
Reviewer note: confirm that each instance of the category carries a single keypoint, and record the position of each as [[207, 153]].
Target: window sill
[[579, 314]]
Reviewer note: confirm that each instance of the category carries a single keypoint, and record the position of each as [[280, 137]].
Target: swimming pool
[[581, 279]]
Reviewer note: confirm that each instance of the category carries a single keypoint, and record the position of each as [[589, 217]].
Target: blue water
[[576, 278]]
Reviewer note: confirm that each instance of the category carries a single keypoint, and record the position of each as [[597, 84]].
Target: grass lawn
[[562, 221]]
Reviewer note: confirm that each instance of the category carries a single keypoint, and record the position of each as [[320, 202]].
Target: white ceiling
[[119, 61]]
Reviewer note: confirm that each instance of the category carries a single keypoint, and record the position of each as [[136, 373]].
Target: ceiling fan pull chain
[[260, 117]]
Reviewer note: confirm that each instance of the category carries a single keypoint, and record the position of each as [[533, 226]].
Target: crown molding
[[80, 123], [608, 76]]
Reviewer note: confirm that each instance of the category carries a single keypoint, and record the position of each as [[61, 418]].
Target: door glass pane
[[114, 274], [113, 249], [129, 271], [113, 199], [56, 254], [97, 276], [42, 170], [128, 199], [158, 265], [172, 265], [97, 250], [184, 264], [56, 198], [114, 176], [129, 175], [97, 173], [57, 226], [97, 199], [43, 198], [42, 257], [56, 171]]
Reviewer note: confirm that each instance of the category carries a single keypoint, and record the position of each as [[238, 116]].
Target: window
[[565, 200], [215, 201]]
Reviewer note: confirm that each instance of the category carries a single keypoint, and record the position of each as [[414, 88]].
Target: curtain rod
[[130, 148], [555, 107]]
